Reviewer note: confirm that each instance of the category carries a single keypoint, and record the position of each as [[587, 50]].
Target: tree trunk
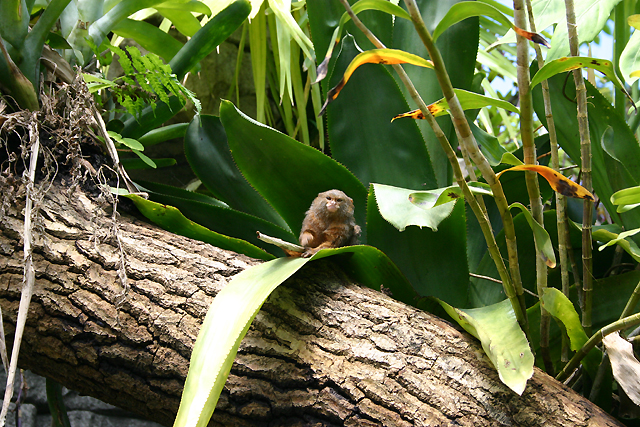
[[323, 351]]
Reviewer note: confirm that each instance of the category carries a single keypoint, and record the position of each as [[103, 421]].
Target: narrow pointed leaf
[[210, 36], [467, 9], [468, 101], [502, 340], [171, 219], [562, 65], [541, 236], [558, 182], [375, 56], [628, 196]]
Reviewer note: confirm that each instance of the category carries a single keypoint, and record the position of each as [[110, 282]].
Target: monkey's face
[[333, 203]]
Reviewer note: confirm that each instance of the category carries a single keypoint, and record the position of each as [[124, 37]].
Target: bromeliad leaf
[[502, 340], [375, 56], [468, 101], [558, 182]]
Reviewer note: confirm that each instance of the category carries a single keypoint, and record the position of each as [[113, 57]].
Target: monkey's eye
[[328, 198], [339, 200]]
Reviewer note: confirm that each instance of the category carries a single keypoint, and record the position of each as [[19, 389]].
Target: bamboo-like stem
[[469, 144], [529, 150], [483, 220], [595, 339], [585, 154], [620, 39], [633, 301]]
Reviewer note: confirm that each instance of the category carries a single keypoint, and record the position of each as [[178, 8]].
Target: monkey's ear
[[350, 199]]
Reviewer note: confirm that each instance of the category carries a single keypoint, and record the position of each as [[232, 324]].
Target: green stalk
[[633, 301], [468, 143], [287, 114], [235, 83], [298, 93], [620, 39], [485, 225], [529, 150], [624, 323], [258, 44], [585, 155]]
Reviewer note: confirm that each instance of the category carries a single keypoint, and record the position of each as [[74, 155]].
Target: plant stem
[[595, 339], [585, 155], [529, 150], [485, 225], [470, 145]]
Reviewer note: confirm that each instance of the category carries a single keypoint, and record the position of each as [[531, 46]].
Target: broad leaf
[[558, 182], [559, 306], [502, 340], [285, 172], [434, 262], [467, 9], [206, 149], [362, 136]]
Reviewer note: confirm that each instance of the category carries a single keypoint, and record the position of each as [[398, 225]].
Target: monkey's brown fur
[[329, 223]]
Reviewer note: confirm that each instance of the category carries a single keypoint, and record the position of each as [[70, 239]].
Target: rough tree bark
[[323, 351]]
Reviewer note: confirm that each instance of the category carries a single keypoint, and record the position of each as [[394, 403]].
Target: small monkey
[[329, 223]]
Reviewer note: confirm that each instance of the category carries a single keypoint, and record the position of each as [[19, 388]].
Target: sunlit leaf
[[432, 198], [558, 182], [626, 199], [559, 306], [541, 236], [502, 340], [562, 65], [468, 101], [395, 206], [375, 56], [620, 239], [464, 10]]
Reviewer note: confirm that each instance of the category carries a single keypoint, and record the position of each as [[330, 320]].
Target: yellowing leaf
[[468, 101], [375, 56], [557, 181]]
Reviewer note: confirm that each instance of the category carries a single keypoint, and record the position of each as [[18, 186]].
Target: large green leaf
[[609, 175], [235, 307], [559, 306], [149, 37], [395, 206], [285, 172], [502, 339], [151, 118], [434, 262], [206, 149], [361, 134], [171, 219], [226, 323], [458, 47], [468, 9], [210, 36]]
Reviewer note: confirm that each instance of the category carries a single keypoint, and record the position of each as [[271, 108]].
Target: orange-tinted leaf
[[534, 37], [558, 182], [375, 56]]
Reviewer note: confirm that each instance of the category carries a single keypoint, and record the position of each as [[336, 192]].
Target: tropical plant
[[405, 168]]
